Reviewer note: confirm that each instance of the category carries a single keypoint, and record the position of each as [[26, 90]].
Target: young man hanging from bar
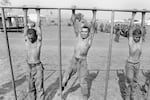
[[135, 40], [33, 42], [84, 33]]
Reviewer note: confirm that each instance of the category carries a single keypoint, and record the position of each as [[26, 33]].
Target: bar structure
[[9, 54], [25, 9], [59, 52], [98, 9], [109, 55]]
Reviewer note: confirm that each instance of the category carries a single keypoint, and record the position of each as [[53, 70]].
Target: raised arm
[[143, 26], [25, 22], [93, 27], [76, 21], [93, 23], [131, 28], [38, 25], [73, 16]]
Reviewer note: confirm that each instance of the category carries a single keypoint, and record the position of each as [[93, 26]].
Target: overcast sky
[[111, 4]]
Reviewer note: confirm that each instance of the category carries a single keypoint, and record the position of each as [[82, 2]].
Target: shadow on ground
[[51, 90], [7, 87], [89, 80], [121, 82]]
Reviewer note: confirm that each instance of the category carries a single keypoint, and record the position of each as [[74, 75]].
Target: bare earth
[[97, 64]]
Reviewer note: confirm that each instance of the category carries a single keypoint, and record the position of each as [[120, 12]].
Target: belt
[[133, 62], [34, 64]]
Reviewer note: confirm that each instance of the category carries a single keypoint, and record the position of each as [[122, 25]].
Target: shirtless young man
[[33, 42], [85, 34], [135, 40]]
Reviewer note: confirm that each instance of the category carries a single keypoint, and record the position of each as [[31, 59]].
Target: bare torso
[[82, 48], [33, 51], [135, 51]]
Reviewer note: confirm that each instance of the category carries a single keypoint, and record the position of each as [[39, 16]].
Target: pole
[[59, 52], [109, 55], [9, 54]]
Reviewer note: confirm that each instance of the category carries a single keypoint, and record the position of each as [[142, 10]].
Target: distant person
[[117, 31], [33, 42], [135, 40], [84, 33]]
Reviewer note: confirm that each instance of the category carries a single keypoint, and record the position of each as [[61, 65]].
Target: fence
[[143, 11]]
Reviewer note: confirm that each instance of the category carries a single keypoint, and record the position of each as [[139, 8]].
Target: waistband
[[34, 64], [80, 59], [133, 62]]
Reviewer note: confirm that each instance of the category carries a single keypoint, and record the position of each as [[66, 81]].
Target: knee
[[84, 89], [129, 78]]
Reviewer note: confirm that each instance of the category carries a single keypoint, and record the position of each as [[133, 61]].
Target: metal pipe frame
[[143, 11], [9, 53], [98, 9], [59, 52], [109, 55]]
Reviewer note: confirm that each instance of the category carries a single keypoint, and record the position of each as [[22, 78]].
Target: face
[[32, 38], [137, 35], [84, 33], [136, 38]]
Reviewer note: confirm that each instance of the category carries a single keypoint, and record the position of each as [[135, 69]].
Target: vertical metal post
[[109, 55], [59, 52], [9, 54]]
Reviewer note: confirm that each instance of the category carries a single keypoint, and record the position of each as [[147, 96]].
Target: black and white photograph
[[74, 50]]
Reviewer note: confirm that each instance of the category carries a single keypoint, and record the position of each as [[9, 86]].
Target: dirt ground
[[97, 64]]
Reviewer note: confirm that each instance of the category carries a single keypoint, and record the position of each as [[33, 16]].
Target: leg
[[70, 72], [129, 80], [31, 84], [39, 83], [67, 76], [136, 93], [117, 35], [82, 74]]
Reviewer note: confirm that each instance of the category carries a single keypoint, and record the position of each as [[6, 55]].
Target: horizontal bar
[[98, 9], [96, 69]]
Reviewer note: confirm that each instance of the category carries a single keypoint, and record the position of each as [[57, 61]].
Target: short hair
[[86, 26], [137, 31], [31, 32]]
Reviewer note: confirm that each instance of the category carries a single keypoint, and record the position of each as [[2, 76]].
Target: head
[[84, 32], [79, 16], [137, 33], [31, 34]]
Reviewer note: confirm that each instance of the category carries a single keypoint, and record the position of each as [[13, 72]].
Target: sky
[[110, 4]]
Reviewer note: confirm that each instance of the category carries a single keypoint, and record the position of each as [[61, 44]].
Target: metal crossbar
[[94, 8], [143, 11]]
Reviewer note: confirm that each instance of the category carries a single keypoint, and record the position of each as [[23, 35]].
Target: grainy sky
[[111, 4]]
